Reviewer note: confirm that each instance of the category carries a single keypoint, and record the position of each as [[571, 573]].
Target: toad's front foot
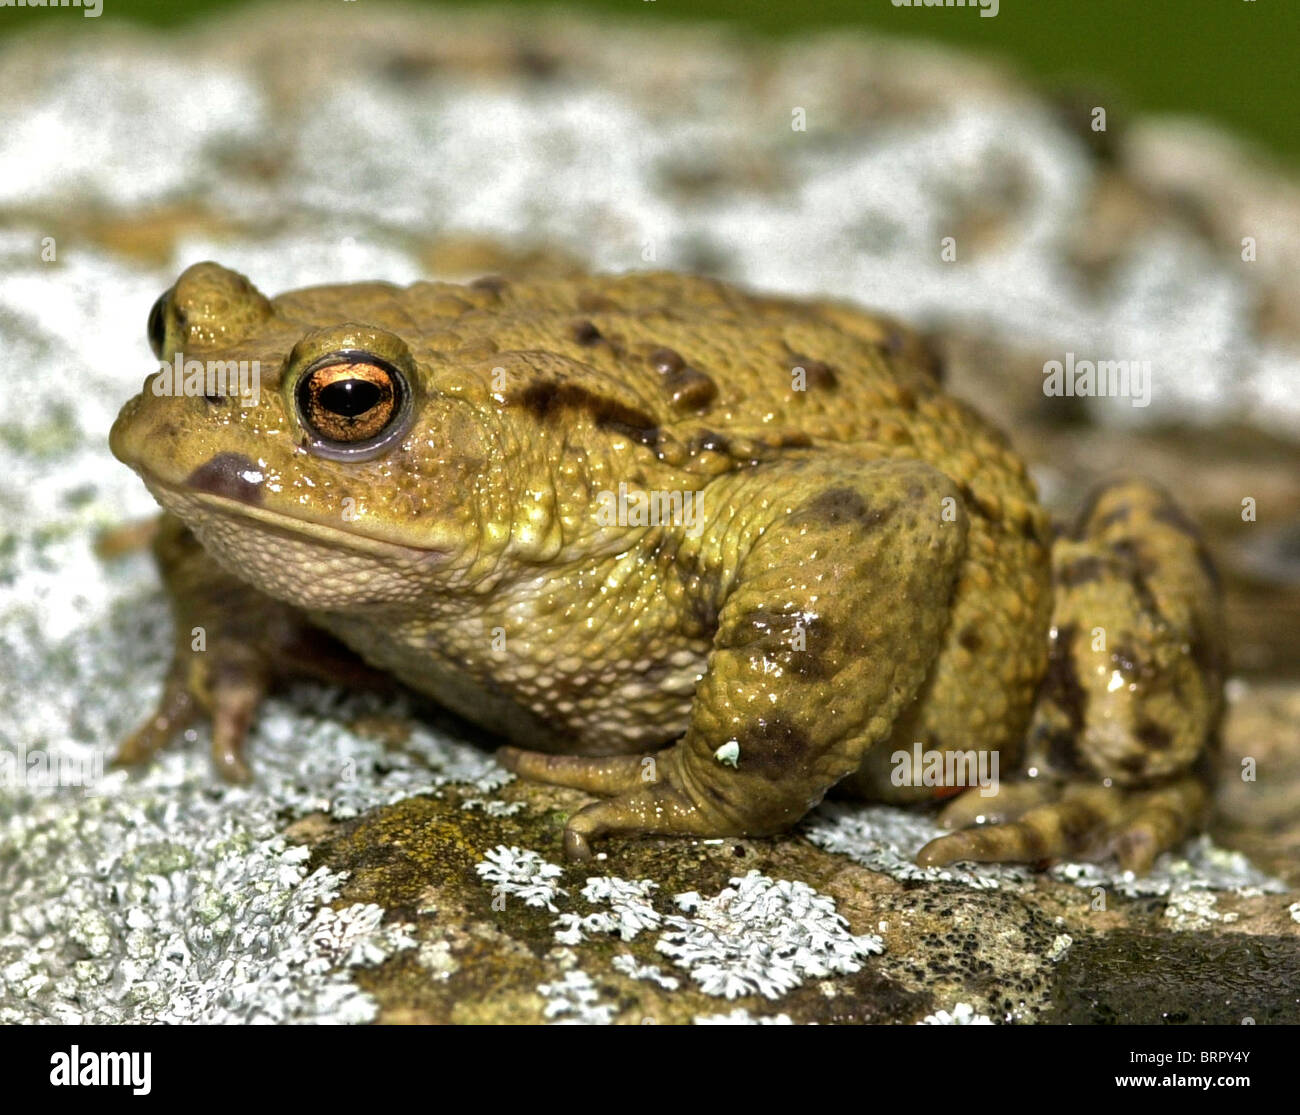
[[232, 644], [226, 688], [649, 795]]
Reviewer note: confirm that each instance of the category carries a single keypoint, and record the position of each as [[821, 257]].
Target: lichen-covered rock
[[382, 867], [689, 931]]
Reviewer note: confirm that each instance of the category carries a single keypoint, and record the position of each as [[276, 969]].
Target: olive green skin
[[846, 560]]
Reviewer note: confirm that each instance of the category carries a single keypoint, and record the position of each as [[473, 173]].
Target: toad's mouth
[[193, 507]]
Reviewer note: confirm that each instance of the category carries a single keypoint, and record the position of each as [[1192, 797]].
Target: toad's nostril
[[231, 475]]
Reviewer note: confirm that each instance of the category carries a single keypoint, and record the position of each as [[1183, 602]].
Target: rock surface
[[382, 867]]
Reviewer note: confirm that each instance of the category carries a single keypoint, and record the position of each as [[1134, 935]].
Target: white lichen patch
[[355, 936], [628, 914], [963, 1014], [757, 936], [634, 969], [522, 874], [167, 895], [492, 808], [627, 900], [575, 1001], [762, 936], [573, 929], [1196, 909], [124, 908]]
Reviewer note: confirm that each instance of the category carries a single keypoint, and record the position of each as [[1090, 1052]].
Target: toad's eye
[[351, 400], [157, 328]]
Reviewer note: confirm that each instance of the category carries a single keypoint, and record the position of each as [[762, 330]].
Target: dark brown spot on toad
[[547, 399], [665, 361], [817, 373], [1154, 736], [690, 389], [585, 333], [1133, 763], [1082, 571], [1061, 754], [974, 504], [493, 283], [1172, 515], [230, 475], [1138, 566], [798, 643], [772, 748], [1061, 681], [842, 505]]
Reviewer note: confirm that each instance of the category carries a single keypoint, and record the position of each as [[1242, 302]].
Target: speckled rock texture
[[382, 867]]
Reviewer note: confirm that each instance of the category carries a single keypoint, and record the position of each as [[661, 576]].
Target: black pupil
[[158, 324], [349, 397]]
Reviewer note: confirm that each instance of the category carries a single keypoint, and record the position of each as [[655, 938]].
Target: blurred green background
[[1235, 61]]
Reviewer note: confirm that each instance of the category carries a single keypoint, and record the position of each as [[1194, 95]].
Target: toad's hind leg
[[826, 631], [1130, 704]]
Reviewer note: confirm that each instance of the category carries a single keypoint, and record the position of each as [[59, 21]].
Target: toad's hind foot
[[1085, 822], [1127, 712]]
